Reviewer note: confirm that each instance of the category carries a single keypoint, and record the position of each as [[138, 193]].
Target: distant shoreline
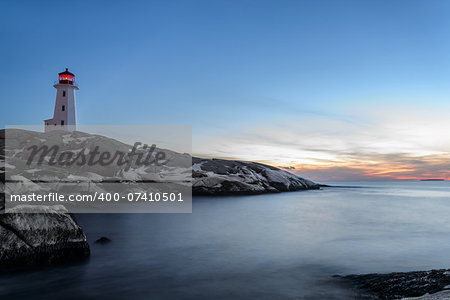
[[433, 179]]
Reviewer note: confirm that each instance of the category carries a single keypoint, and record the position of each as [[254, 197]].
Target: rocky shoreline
[[209, 176], [400, 285], [214, 177], [50, 235], [33, 236]]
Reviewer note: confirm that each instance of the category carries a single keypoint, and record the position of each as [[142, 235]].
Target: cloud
[[379, 144], [385, 167]]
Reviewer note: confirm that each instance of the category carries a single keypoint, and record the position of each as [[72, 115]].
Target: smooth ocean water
[[278, 246]]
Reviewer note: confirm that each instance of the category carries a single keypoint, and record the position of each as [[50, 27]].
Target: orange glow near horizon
[[363, 172], [428, 168], [396, 144]]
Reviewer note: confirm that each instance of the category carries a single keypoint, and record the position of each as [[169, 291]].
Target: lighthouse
[[64, 115]]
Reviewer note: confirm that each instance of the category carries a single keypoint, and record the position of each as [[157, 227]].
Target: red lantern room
[[66, 77]]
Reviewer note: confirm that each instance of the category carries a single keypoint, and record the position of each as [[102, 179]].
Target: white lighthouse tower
[[64, 116]]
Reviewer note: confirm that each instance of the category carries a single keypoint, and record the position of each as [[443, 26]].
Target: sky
[[329, 90]]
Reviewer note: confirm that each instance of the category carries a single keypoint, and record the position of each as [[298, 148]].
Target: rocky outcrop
[[230, 177], [400, 285], [36, 235], [209, 176], [39, 235], [103, 240], [2, 170]]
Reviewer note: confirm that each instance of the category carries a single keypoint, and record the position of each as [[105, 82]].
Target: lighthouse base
[[50, 125]]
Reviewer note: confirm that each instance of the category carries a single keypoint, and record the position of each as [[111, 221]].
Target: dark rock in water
[[103, 240], [400, 285], [36, 235], [231, 177]]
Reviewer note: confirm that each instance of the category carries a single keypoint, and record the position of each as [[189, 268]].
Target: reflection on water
[[281, 246]]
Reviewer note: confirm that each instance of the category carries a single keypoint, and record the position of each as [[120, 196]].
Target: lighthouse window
[[62, 122], [63, 108], [64, 93]]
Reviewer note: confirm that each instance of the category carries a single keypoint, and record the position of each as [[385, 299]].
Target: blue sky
[[230, 67]]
